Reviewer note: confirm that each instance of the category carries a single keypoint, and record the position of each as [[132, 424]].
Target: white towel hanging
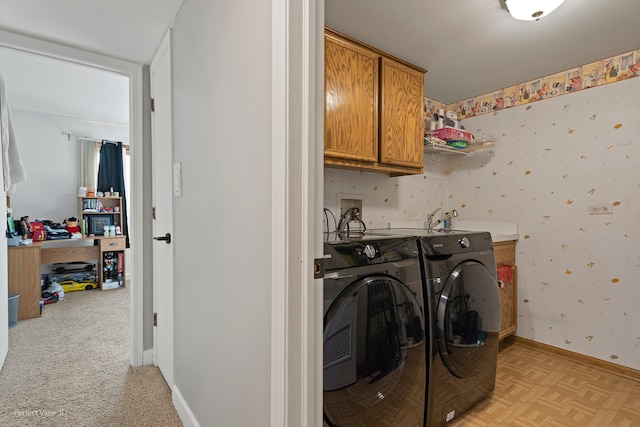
[[12, 167]]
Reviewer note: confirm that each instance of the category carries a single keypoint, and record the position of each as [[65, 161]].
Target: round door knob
[[370, 251]]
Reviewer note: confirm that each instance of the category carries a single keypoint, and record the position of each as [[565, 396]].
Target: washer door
[[374, 363], [468, 319]]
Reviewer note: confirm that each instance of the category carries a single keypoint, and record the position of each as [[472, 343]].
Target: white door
[[162, 157]]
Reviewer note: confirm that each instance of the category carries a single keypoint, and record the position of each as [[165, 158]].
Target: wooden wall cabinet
[[505, 253], [373, 109]]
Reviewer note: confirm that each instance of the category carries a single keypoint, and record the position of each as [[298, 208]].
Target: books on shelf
[[91, 205]]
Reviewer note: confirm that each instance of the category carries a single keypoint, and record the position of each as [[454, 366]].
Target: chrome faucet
[[448, 215], [352, 214], [430, 218]]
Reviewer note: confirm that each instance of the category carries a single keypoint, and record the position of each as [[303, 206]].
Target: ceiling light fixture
[[530, 10]]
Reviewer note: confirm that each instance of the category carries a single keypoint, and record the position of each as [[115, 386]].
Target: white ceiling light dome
[[531, 10]]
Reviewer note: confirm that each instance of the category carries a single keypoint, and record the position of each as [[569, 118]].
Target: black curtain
[[111, 176]]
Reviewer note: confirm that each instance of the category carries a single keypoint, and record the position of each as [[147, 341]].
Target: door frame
[[135, 74], [297, 196], [167, 318]]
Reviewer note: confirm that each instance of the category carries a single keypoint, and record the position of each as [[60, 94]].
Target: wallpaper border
[[610, 70]]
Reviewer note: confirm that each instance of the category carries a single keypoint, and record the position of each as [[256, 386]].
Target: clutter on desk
[[14, 232], [25, 227], [25, 231], [13, 238], [71, 225]]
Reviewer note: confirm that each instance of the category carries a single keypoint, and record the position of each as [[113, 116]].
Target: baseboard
[[577, 357], [147, 357], [186, 416]]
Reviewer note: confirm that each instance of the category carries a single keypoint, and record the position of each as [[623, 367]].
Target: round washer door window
[[374, 362], [468, 319]]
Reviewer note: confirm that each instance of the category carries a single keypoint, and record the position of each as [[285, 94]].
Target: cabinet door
[[505, 253], [508, 306], [23, 263], [351, 101], [401, 115]]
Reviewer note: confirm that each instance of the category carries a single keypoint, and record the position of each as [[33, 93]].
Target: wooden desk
[[24, 265], [24, 279]]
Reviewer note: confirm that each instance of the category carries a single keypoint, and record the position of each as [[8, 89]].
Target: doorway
[[111, 69]]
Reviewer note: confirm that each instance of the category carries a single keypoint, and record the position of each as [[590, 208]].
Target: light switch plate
[[177, 179]]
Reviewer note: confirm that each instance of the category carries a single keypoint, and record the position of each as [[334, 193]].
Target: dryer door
[[374, 363], [468, 319]]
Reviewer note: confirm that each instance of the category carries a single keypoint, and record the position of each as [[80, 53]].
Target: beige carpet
[[70, 367]]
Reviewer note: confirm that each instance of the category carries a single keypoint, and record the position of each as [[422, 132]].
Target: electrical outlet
[[600, 208]]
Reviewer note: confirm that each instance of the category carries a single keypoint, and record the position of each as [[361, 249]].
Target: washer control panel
[[458, 242], [354, 253], [370, 251]]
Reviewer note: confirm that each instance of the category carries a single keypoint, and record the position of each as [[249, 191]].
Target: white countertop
[[497, 237], [501, 231]]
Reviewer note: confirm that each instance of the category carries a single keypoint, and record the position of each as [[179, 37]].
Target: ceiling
[[49, 86], [474, 47], [123, 29], [469, 47]]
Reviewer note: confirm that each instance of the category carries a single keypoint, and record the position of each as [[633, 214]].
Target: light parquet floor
[[535, 388]]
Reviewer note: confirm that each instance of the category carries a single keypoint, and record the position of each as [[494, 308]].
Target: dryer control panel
[[453, 243]]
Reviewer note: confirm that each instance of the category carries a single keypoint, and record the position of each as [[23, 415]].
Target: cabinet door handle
[[166, 238]]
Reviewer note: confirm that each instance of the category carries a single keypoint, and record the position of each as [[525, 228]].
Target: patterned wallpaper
[[598, 73], [577, 273]]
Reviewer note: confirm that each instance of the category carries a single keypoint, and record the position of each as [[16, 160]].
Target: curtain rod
[[86, 138]]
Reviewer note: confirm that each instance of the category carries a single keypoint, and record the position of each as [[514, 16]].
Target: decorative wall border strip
[[599, 73]]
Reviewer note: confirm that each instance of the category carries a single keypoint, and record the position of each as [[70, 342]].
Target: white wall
[[403, 198], [577, 273], [222, 133], [52, 163]]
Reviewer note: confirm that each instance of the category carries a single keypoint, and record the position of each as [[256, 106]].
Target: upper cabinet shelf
[[374, 111], [472, 147]]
